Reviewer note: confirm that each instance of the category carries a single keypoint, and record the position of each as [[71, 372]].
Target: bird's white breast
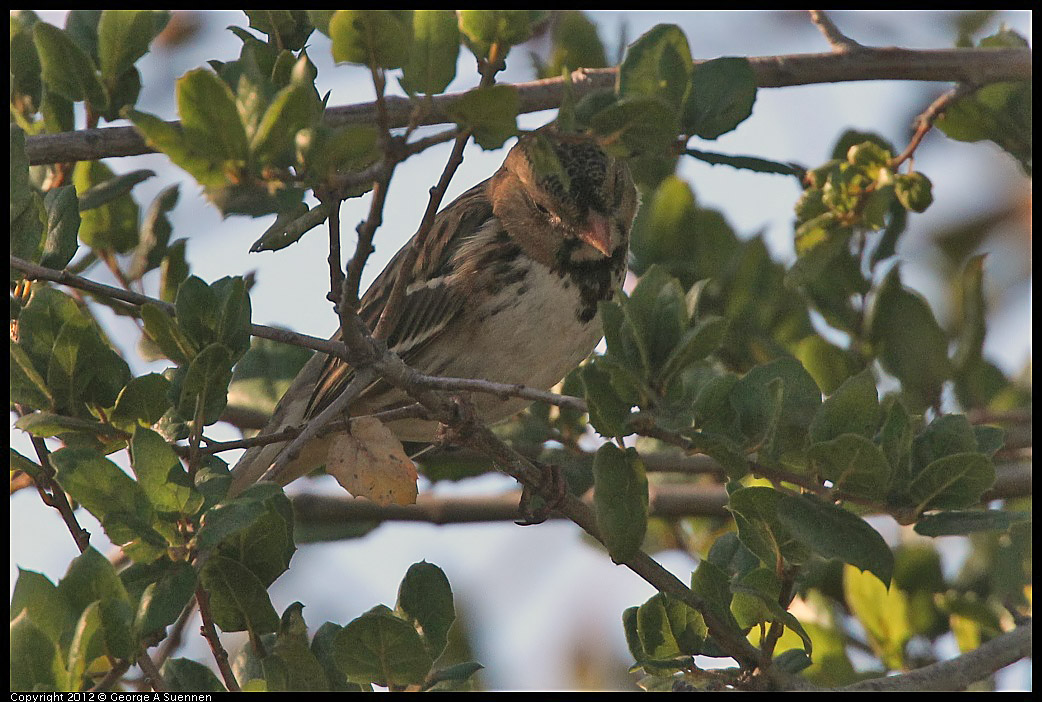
[[529, 333]]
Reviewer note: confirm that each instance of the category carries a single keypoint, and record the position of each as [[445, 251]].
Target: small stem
[[925, 121], [837, 39], [148, 667], [209, 632]]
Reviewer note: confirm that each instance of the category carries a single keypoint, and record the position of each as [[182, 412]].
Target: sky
[[539, 600]]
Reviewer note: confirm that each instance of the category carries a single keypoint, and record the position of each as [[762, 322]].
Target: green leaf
[[46, 424], [123, 38], [490, 112], [323, 645], [117, 627], [895, 440], [608, 412], [958, 522], [668, 628], [209, 117], [637, 125], [1000, 112], [155, 233], [89, 577], [781, 428], [72, 365], [506, 28], [205, 384], [108, 215], [431, 65], [42, 602], [833, 532], [162, 601], [620, 500], [973, 323], [853, 464], [760, 529], [381, 648], [377, 38], [288, 29], [262, 539], [624, 343], [952, 482], [27, 386], [291, 664], [882, 612], [103, 192], [911, 345], [142, 402], [35, 660], [161, 475], [852, 409], [944, 436], [293, 108], [42, 320], [62, 227], [828, 364], [425, 597], [118, 502], [658, 311], [26, 87], [756, 600], [163, 330], [710, 582], [914, 191], [694, 345], [185, 675], [657, 64], [204, 164], [720, 98], [575, 44], [238, 600], [21, 191], [66, 68]]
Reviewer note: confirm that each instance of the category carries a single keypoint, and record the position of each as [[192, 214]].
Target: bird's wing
[[433, 296]]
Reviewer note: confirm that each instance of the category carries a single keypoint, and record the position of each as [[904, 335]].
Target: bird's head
[[560, 195]]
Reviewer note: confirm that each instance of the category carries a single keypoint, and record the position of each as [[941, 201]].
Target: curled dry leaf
[[371, 462]]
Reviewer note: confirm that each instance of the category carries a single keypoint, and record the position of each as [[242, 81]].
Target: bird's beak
[[597, 233]]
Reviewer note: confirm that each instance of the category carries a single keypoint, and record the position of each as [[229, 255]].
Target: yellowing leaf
[[371, 462]]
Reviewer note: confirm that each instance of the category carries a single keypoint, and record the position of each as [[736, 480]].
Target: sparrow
[[505, 288]]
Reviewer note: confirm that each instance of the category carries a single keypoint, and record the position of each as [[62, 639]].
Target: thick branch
[[672, 502], [976, 66], [958, 673]]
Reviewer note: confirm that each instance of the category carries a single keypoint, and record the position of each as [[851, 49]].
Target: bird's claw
[[537, 503]]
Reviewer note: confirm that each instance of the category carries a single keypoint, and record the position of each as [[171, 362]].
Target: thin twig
[[388, 315], [52, 493], [112, 677], [837, 39], [362, 378], [148, 667], [37, 272], [209, 632], [925, 121]]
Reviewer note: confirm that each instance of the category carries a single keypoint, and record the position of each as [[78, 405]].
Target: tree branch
[[36, 272], [837, 39], [959, 672], [673, 501], [975, 65]]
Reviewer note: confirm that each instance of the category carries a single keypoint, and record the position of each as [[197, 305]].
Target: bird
[[505, 287]]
